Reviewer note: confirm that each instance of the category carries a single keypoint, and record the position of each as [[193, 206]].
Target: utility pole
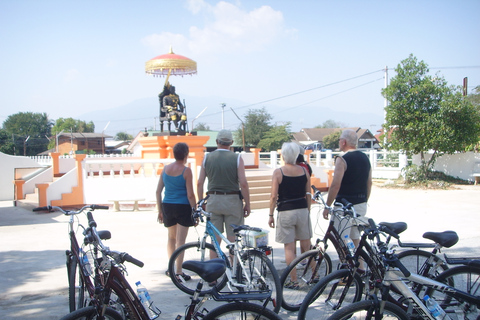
[[223, 105], [243, 128], [385, 129], [25, 146]]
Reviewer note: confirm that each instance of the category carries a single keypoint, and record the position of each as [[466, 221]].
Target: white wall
[[460, 165], [8, 164]]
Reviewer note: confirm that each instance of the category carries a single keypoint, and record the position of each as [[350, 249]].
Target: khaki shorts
[[226, 210], [293, 225], [345, 226]]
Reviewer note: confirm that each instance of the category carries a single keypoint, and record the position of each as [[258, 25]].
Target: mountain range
[[142, 114]]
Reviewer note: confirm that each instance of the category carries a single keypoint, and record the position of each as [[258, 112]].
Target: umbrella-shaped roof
[[170, 64]]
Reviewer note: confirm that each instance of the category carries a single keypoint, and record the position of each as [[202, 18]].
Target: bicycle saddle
[[397, 227], [445, 239], [209, 270]]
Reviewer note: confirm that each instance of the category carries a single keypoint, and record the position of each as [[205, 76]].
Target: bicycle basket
[[254, 239]]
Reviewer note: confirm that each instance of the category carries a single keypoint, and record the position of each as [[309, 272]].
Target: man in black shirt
[[352, 179]]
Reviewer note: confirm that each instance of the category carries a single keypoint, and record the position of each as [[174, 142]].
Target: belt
[[223, 193]]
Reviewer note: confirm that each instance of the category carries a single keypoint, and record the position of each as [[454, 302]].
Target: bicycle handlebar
[[126, 257], [71, 212]]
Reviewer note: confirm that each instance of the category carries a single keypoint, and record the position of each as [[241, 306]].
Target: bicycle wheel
[[241, 310], [76, 286], [463, 278], [263, 276], [414, 261], [309, 268], [192, 251], [90, 313], [330, 294], [366, 310]]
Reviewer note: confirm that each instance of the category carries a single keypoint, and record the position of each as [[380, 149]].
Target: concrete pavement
[[33, 278]]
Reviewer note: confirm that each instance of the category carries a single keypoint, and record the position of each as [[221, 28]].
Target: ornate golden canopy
[[170, 64]]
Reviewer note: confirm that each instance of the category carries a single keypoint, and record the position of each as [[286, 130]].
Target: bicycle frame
[[396, 279], [231, 270]]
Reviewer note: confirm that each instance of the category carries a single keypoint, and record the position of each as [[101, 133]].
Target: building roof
[[83, 135]]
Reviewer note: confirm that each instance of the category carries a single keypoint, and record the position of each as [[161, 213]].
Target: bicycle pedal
[[178, 317]]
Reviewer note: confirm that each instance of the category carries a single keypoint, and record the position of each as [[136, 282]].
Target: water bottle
[[350, 245], [85, 262], [434, 308], [145, 300]]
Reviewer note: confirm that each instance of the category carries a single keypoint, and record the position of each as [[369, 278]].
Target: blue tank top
[[175, 188]]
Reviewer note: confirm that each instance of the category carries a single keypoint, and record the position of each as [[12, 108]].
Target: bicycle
[[426, 263], [248, 270], [461, 301], [313, 265], [207, 270], [78, 257], [346, 285], [110, 295]]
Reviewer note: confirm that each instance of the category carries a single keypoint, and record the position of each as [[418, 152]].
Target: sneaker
[[303, 262], [293, 285]]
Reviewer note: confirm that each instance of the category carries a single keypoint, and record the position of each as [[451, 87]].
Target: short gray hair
[[350, 137], [290, 151]]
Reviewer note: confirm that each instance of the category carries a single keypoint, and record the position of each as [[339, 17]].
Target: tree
[[424, 113], [29, 130], [331, 124], [475, 96], [256, 125], [123, 136], [72, 125], [331, 141], [201, 126], [275, 137], [6, 144]]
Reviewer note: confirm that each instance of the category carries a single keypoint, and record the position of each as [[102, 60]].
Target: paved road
[[33, 283]]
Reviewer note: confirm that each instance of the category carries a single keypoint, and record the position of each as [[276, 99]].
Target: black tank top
[[355, 178], [291, 192]]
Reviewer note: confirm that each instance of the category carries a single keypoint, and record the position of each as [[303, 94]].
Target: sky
[[69, 58]]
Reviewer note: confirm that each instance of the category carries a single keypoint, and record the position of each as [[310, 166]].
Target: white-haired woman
[[290, 185]]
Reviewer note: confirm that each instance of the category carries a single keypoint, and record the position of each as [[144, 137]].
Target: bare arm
[[276, 179], [340, 167], [200, 182], [189, 184], [160, 187], [242, 179]]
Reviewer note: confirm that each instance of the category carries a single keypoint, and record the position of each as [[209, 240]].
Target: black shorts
[[174, 213]]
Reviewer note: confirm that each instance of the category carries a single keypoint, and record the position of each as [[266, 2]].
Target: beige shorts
[[226, 210], [293, 225], [345, 226]]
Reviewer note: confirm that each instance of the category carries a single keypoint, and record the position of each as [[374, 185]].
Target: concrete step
[[263, 204]]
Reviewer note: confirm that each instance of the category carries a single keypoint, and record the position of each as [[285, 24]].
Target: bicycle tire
[[463, 278], [359, 310], [192, 251], [324, 298], [241, 310], [76, 285], [263, 276], [320, 265], [90, 313]]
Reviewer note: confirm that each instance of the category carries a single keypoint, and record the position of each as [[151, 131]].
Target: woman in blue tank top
[[175, 207]]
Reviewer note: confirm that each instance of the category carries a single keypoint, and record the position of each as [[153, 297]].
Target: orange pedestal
[[161, 147]]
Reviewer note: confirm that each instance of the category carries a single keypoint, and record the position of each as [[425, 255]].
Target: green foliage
[[123, 136], [34, 126], [331, 124], [424, 114], [6, 144], [72, 125], [275, 137], [201, 126], [257, 123], [331, 141]]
